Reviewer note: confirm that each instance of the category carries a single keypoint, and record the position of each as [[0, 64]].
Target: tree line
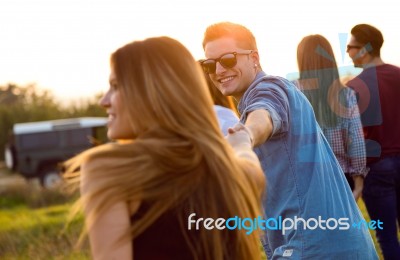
[[20, 104]]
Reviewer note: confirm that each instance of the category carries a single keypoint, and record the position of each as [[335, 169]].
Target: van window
[[39, 141], [78, 137]]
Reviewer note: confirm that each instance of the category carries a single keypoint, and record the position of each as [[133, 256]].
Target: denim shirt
[[304, 179]]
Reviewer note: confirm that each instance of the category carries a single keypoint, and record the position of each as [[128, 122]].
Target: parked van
[[36, 148]]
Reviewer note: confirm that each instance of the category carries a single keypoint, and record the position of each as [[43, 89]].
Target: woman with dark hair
[[335, 107]]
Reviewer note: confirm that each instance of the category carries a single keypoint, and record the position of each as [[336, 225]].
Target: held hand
[[239, 135]]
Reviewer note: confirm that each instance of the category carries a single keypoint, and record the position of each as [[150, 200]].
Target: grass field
[[32, 225], [32, 222]]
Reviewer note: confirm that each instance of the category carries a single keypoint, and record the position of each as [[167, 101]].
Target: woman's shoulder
[[225, 113]]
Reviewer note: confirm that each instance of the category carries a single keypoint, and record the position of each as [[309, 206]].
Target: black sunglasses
[[353, 47], [227, 60]]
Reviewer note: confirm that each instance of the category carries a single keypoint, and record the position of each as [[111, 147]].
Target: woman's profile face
[[118, 117]]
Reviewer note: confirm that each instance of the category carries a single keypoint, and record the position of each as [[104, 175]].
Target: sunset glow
[[64, 45]]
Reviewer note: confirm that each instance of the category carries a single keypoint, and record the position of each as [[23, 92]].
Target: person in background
[[224, 107], [305, 181], [378, 91], [168, 162], [335, 107]]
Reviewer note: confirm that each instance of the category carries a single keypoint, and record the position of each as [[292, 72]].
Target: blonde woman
[[170, 161]]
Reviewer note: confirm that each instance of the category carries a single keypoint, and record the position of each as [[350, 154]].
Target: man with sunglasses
[[307, 194], [378, 91]]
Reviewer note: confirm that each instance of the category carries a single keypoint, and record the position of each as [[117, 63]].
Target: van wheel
[[10, 158], [50, 179]]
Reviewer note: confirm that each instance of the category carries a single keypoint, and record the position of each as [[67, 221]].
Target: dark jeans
[[381, 195]]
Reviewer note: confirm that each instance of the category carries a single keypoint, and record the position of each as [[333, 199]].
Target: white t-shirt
[[226, 118]]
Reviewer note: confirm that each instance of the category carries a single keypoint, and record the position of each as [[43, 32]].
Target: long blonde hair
[[179, 154]]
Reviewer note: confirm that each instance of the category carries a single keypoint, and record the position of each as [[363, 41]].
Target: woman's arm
[[356, 147], [108, 228], [240, 140], [358, 186]]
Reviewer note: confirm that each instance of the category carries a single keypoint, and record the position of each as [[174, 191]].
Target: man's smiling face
[[232, 81]]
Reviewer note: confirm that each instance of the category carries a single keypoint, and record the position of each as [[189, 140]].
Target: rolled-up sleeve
[[271, 97]]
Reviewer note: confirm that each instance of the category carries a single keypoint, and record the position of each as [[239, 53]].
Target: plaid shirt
[[347, 139]]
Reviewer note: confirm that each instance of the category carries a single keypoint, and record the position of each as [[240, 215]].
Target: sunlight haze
[[64, 45]]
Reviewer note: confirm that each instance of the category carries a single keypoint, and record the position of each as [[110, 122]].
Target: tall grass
[[32, 225]]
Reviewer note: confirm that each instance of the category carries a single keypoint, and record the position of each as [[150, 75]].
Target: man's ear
[[255, 58], [362, 51], [366, 49]]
